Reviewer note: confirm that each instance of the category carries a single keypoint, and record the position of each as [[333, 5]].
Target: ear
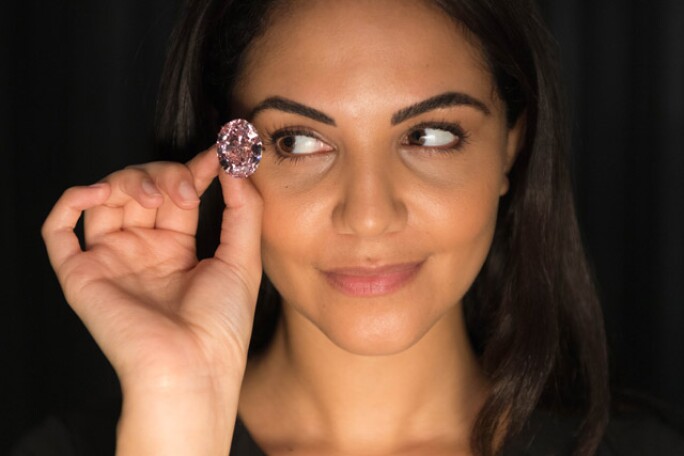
[[515, 137]]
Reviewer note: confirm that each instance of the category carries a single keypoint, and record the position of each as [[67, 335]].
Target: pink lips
[[372, 281]]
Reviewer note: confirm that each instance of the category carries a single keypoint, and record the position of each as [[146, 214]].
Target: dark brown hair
[[532, 313]]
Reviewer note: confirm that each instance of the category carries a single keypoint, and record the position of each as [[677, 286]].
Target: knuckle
[[45, 229], [175, 171], [165, 173]]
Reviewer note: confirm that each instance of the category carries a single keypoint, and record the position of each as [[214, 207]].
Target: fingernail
[[149, 188], [187, 192]]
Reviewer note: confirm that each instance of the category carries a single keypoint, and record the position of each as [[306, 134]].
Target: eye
[[299, 143], [436, 136]]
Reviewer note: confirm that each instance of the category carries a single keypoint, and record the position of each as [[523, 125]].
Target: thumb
[[240, 242]]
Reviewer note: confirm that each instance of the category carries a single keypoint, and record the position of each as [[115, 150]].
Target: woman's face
[[387, 152]]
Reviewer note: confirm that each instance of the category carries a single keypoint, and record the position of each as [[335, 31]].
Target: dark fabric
[[51, 438], [628, 434], [86, 433], [243, 444]]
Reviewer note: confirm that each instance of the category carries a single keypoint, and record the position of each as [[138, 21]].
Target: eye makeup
[[295, 143], [239, 148], [437, 136]]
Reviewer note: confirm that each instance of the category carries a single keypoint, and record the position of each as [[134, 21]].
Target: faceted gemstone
[[239, 148]]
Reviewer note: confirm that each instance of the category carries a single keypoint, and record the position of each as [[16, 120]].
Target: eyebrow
[[443, 100], [285, 105]]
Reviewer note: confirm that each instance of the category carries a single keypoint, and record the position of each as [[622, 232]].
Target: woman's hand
[[173, 327]]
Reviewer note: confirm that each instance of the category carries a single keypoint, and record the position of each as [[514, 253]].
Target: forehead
[[331, 51]]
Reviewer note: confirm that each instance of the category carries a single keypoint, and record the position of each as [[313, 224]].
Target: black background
[[78, 81]]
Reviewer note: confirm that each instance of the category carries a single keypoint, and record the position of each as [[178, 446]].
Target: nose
[[370, 204]]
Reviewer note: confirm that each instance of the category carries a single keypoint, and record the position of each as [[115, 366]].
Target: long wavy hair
[[532, 313]]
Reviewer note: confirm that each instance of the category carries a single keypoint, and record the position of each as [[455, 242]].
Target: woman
[[425, 289]]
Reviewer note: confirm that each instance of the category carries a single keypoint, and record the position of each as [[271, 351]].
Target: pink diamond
[[239, 148]]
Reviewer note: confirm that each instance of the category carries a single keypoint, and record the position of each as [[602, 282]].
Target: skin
[[358, 373], [174, 329], [386, 371]]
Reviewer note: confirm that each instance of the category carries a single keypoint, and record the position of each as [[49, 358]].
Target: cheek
[[460, 195], [287, 227], [458, 219], [292, 232], [297, 207], [463, 223]]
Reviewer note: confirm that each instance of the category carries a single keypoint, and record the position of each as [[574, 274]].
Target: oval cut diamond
[[239, 148]]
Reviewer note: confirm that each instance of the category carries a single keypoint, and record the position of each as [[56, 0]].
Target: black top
[[630, 434]]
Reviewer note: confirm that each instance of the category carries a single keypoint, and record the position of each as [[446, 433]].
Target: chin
[[374, 335]]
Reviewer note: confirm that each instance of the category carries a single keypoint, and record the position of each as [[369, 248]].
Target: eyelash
[[454, 128], [272, 138]]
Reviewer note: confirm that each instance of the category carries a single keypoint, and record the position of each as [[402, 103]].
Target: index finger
[[58, 229]]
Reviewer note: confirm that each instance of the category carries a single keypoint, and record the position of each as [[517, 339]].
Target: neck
[[430, 391]]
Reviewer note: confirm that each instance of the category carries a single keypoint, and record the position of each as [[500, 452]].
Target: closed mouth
[[372, 281]]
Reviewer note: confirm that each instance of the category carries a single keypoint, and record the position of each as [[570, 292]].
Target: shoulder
[[634, 432], [70, 434], [644, 428], [51, 437]]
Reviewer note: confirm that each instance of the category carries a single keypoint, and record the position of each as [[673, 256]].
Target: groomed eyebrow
[[285, 105], [443, 100]]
